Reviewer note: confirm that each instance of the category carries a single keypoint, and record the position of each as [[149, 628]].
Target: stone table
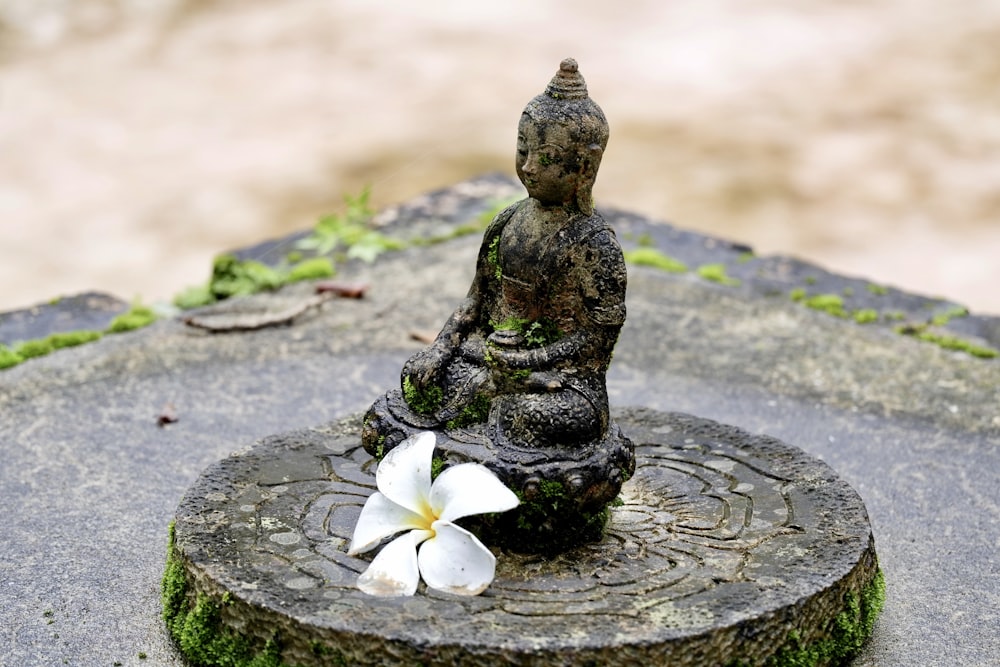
[[90, 478]]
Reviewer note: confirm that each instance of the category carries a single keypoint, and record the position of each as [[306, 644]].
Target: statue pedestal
[[728, 548]]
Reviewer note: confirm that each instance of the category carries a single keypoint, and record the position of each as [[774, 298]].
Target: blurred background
[[138, 138]]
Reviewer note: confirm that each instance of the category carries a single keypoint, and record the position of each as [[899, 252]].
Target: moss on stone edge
[[646, 256], [9, 358], [197, 629], [137, 317], [845, 636], [956, 343]]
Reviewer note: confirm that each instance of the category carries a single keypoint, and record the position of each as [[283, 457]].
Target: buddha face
[[548, 162]]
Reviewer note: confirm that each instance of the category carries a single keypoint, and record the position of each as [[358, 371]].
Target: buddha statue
[[516, 377]]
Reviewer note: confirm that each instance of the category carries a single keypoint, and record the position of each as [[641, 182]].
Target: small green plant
[[352, 230], [647, 256], [877, 290]]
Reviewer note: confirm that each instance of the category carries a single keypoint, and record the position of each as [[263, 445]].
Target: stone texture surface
[[89, 481], [724, 545]]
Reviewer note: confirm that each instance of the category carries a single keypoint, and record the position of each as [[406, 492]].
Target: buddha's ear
[[589, 164]]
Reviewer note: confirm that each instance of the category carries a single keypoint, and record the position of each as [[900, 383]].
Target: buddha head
[[560, 141]]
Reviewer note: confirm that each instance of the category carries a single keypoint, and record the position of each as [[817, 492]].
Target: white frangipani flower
[[450, 558]]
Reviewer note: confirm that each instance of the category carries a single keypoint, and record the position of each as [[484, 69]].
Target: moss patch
[[39, 347], [646, 256], [536, 333], [832, 304], [942, 319], [197, 629], [548, 523], [423, 402], [845, 635], [955, 343], [138, 316], [716, 273], [475, 412], [865, 316], [30, 349], [493, 257], [9, 358], [311, 269]]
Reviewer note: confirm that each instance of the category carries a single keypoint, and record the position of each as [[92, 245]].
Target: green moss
[[194, 297], [894, 316], [475, 412], [493, 257], [956, 343], [848, 291], [717, 274], [646, 240], [235, 277], [311, 269], [137, 317], [197, 629], [39, 347], [293, 257], [30, 349], [424, 402], [877, 290], [548, 523], [942, 319], [73, 338], [798, 294], [810, 280], [844, 636], [832, 304], [437, 466], [536, 333], [865, 316], [745, 257], [646, 256]]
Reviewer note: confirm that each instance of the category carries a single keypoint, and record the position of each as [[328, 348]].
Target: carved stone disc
[[730, 548]]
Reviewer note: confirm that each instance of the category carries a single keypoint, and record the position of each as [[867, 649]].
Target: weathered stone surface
[[89, 482], [726, 547]]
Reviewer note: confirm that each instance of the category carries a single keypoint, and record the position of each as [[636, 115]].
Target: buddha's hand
[[425, 368]]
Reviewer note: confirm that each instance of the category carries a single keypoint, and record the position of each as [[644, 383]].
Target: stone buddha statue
[[516, 377]]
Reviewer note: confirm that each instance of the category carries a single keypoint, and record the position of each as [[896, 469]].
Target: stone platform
[[728, 548], [90, 481]]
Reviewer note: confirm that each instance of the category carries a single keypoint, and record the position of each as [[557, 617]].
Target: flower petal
[[394, 571], [380, 517], [404, 475], [467, 489], [455, 561]]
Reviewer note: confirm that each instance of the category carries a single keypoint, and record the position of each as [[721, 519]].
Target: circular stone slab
[[729, 548]]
